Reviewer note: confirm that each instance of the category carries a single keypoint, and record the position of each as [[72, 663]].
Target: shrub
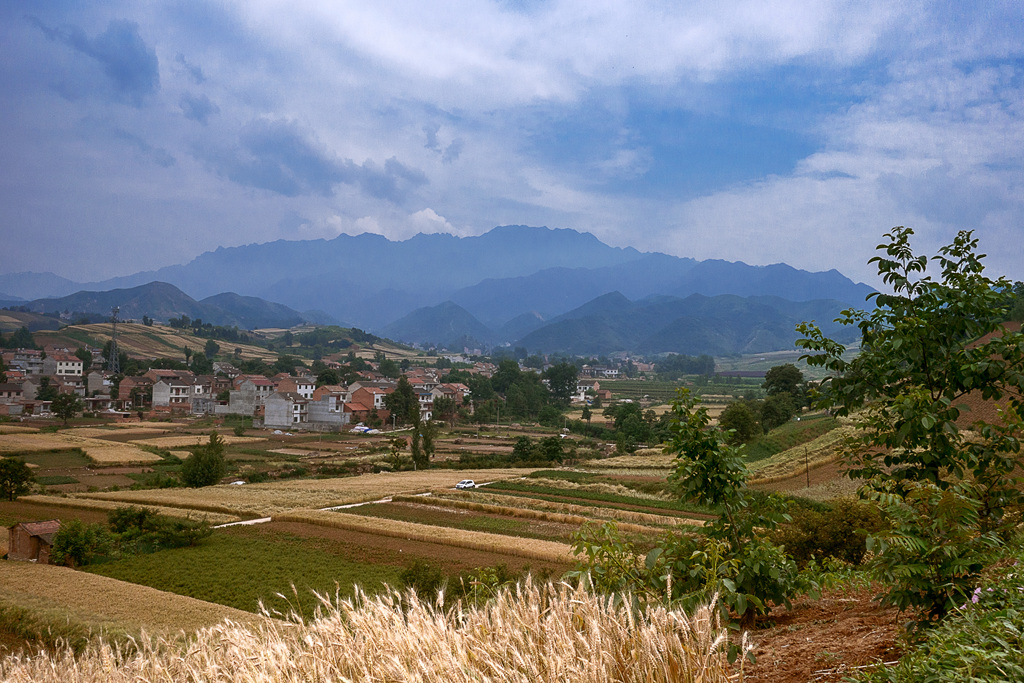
[[77, 543], [423, 577], [206, 464], [838, 530]]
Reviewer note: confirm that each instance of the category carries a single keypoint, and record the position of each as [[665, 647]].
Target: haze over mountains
[[512, 284]]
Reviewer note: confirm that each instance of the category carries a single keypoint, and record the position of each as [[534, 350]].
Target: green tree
[[445, 408], [739, 422], [924, 349], [775, 411], [201, 364], [211, 349], [403, 403], [785, 379], [84, 355], [77, 543], [15, 478], [522, 449], [66, 406], [389, 368], [205, 466], [21, 339], [561, 382], [586, 414], [47, 391]]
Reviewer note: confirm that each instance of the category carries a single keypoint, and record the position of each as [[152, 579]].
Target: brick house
[[32, 541]]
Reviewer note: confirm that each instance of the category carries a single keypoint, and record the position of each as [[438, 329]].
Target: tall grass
[[529, 633]]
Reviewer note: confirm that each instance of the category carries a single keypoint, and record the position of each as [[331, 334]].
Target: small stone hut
[[31, 541]]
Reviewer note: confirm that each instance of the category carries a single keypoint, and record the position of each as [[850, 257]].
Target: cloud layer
[[138, 136]]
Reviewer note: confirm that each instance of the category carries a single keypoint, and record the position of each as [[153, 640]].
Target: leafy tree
[[328, 376], [785, 379], [924, 349], [403, 402], [586, 415], [85, 356], [522, 449], [47, 391], [21, 339], [445, 408], [201, 364], [211, 348], [506, 375], [15, 478], [551, 448], [205, 466], [66, 406], [286, 363], [740, 422], [77, 543], [775, 411], [147, 321], [389, 368], [561, 382]]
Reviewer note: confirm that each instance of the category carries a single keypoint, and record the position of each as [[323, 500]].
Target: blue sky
[[139, 135]]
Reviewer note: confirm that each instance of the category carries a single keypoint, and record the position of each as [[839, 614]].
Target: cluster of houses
[[284, 401]]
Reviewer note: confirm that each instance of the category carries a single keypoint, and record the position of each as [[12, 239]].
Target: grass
[[55, 480], [239, 570], [788, 436], [57, 458], [531, 633], [59, 502]]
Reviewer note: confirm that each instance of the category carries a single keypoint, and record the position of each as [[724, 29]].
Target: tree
[[77, 543], [445, 408], [205, 466], [586, 414], [924, 349], [65, 406], [785, 379], [84, 355], [403, 403], [211, 349], [776, 410], [561, 382], [47, 391], [740, 422], [15, 478], [188, 354]]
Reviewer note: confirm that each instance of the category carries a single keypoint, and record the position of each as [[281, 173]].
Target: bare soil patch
[[823, 640]]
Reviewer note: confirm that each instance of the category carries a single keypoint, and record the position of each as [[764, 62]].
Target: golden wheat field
[[16, 429], [100, 432], [192, 440], [273, 498], [98, 599], [99, 451], [530, 634], [820, 451], [647, 458], [529, 548], [107, 505]]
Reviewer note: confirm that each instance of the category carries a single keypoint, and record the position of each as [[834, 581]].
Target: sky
[[140, 135]]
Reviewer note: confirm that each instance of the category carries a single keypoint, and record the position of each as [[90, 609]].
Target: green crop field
[[238, 568]]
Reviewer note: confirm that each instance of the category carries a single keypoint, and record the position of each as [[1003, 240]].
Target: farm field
[[75, 604], [100, 451], [272, 498]]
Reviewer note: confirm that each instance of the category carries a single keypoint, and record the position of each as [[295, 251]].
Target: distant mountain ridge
[[162, 301], [510, 279]]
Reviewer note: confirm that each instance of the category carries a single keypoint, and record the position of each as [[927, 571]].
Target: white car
[[466, 484]]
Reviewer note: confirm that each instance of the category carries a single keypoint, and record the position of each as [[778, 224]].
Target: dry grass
[[548, 551], [192, 440], [16, 429], [567, 513], [99, 451], [647, 458], [821, 451], [100, 432], [614, 489], [273, 498], [155, 341], [97, 600], [549, 634], [106, 505]]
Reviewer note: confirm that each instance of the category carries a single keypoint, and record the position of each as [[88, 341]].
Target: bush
[[206, 464], [77, 543], [838, 530], [423, 577]]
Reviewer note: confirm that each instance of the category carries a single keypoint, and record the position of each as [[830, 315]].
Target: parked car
[[466, 484]]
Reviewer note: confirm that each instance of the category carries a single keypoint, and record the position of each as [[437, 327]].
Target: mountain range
[[505, 286]]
